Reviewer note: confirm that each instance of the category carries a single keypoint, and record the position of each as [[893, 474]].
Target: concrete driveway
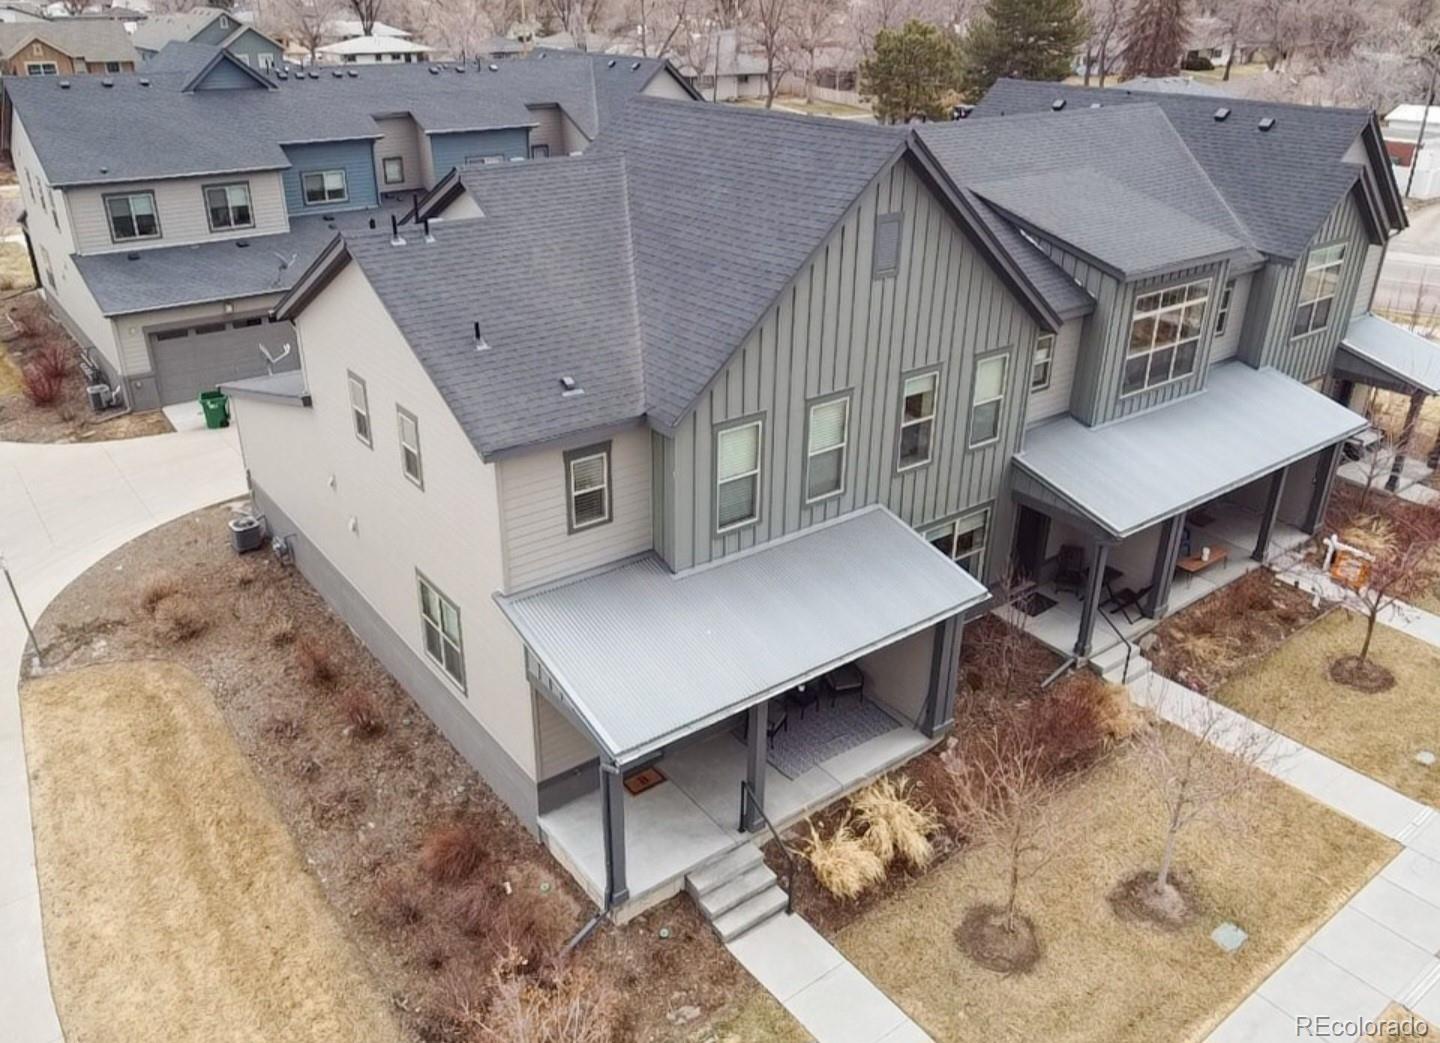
[[62, 508]]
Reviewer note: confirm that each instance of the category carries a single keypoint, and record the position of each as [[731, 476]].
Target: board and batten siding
[[835, 329], [1276, 291], [1055, 399], [399, 137], [180, 204], [1227, 345], [356, 158], [448, 151], [534, 508]]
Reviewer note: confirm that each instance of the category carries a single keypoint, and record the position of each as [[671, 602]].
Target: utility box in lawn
[[216, 408]]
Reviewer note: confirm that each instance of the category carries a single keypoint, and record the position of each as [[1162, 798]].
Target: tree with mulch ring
[[999, 940], [1141, 898], [1361, 673]]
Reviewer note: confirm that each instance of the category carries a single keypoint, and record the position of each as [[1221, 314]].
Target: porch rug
[[826, 731]]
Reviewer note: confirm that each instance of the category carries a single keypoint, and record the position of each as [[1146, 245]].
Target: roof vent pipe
[[372, 224], [428, 237], [395, 237], [480, 342], [1266, 123], [1222, 114], [1057, 104]]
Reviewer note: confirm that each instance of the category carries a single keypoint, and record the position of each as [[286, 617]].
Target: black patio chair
[[1070, 571]]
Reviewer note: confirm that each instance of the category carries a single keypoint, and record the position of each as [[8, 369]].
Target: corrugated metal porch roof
[[1409, 357], [1133, 473], [646, 656]]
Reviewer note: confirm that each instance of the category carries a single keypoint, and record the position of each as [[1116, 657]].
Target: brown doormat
[[646, 778]]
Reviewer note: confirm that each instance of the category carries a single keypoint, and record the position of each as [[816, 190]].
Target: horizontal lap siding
[[550, 128], [1228, 345], [559, 745], [226, 77], [356, 158], [835, 329], [1055, 399], [180, 204], [534, 507], [399, 137], [451, 150], [130, 329]]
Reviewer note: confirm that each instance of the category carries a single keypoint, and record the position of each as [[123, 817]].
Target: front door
[[1032, 533]]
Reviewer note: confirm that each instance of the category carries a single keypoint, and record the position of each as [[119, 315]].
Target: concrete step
[[1113, 658], [724, 869], [750, 913], [1140, 668], [727, 896]]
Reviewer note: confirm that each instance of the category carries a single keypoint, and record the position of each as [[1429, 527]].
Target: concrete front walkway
[[819, 987], [62, 508]]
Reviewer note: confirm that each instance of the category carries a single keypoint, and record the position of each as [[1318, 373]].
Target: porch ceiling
[[1133, 473], [645, 656], [1399, 354]]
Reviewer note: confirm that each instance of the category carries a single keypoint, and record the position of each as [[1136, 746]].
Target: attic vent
[[241, 244], [634, 66], [144, 82], [64, 85], [337, 73], [1094, 104], [1222, 114], [282, 75], [314, 75], [352, 73], [104, 170], [434, 70], [543, 56], [132, 257], [494, 67], [1266, 123], [610, 64], [569, 389], [107, 82], [459, 68], [1058, 104]]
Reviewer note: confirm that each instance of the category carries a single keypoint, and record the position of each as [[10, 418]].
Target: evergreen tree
[[910, 72], [1155, 34], [1023, 39]]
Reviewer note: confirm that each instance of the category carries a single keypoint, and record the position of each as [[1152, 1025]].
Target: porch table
[[1194, 563]]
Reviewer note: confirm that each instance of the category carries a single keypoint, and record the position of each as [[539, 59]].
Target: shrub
[[1077, 720], [180, 618], [473, 909], [317, 665], [155, 588], [894, 826], [567, 1004], [399, 899], [362, 713], [841, 863], [40, 387], [451, 853], [53, 359], [280, 632]]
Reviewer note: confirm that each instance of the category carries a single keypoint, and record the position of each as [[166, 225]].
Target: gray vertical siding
[[1276, 289], [837, 329]]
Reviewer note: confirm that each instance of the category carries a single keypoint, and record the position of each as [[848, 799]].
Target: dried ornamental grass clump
[[893, 825], [842, 864], [317, 663], [155, 588], [451, 853], [362, 714], [180, 618]]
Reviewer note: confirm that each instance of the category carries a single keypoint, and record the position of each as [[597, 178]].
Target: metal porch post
[[1091, 605], [1432, 460], [612, 822], [1320, 493], [1157, 602], [757, 740], [939, 711], [1267, 520], [1406, 440]]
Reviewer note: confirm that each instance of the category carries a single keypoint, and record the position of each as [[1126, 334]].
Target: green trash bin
[[216, 408]]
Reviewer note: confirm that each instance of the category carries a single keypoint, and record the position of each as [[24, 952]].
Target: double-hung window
[[587, 474], [409, 429], [964, 540], [394, 169], [440, 627], [737, 475], [132, 216], [360, 409], [1044, 362], [324, 186], [1222, 313], [228, 206], [825, 449], [1164, 336], [987, 398], [41, 69], [1317, 291], [917, 419]]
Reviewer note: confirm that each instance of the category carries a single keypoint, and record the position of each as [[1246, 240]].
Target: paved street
[[1412, 266], [62, 508]]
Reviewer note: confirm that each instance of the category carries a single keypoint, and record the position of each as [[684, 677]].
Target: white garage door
[[196, 358]]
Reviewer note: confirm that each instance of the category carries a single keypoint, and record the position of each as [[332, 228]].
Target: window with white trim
[[41, 69], [826, 439], [1044, 361], [440, 630], [1222, 312], [228, 206], [1164, 336], [132, 216], [1317, 291], [917, 419], [360, 409], [987, 398], [587, 473], [409, 429], [324, 186], [737, 475], [964, 540], [393, 168]]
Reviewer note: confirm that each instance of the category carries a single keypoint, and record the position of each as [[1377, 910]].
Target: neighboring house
[[374, 50], [722, 68], [14, 11], [208, 25], [1416, 163], [64, 47], [163, 248]]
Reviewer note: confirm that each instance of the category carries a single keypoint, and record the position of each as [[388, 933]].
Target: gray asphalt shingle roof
[[92, 39], [1281, 183], [547, 275], [157, 30]]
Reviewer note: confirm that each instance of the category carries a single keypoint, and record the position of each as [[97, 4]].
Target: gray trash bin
[[247, 533]]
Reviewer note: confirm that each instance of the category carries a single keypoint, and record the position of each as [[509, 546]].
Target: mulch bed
[[983, 937], [360, 807], [1205, 643], [1134, 899], [1364, 676]]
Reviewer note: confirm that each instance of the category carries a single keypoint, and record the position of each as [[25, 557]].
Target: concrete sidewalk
[[62, 508]]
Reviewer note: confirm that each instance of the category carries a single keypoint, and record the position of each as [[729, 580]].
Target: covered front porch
[[1121, 524], [751, 691]]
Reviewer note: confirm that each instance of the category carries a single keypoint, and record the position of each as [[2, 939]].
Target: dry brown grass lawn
[[1279, 867], [759, 1018], [1377, 734], [1397, 1023], [174, 902], [15, 271]]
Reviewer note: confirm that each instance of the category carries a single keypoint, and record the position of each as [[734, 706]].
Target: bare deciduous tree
[[1102, 18], [304, 21], [772, 22], [811, 31], [368, 13]]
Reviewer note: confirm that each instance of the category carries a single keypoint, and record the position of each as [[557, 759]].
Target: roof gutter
[[312, 280]]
